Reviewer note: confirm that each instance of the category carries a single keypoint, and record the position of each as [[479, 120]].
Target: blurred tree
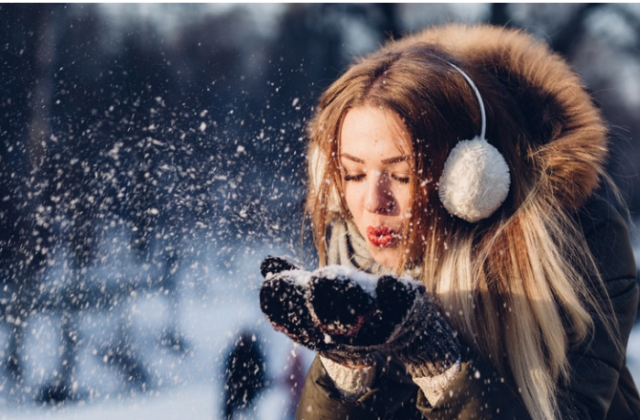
[[390, 24], [499, 14], [25, 220]]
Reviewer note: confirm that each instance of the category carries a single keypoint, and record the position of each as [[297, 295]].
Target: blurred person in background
[[244, 375]]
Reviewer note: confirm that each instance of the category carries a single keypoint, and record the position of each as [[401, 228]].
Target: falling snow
[[152, 155]]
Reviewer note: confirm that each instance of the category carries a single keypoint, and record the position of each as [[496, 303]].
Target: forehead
[[375, 132]]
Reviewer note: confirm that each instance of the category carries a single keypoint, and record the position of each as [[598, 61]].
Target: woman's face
[[375, 157]]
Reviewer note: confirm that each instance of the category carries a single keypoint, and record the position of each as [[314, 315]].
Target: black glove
[[347, 316]]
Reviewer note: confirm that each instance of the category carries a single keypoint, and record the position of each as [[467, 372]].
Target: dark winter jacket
[[601, 386]]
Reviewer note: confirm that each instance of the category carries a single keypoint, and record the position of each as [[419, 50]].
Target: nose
[[379, 197]]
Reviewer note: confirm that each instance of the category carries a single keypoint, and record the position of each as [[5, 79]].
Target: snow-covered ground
[[192, 386], [214, 300], [193, 402]]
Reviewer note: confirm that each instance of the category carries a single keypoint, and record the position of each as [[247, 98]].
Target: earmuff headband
[[475, 179], [480, 101]]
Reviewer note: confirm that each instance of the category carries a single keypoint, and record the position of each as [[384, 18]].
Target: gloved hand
[[347, 316], [285, 299]]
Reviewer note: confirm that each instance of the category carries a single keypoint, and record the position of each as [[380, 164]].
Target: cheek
[[351, 196], [405, 200]]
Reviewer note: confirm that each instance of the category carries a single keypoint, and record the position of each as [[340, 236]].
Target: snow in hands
[[348, 315]]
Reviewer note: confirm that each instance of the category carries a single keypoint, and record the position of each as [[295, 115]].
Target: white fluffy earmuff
[[475, 180]]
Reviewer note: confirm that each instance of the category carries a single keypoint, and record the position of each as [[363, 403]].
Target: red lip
[[380, 236]]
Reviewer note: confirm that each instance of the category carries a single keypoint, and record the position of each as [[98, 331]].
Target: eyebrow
[[351, 158], [395, 159], [388, 161]]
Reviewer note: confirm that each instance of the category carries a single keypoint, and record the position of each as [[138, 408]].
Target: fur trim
[[475, 180], [570, 138]]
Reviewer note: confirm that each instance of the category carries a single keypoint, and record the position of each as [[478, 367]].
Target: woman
[[527, 290]]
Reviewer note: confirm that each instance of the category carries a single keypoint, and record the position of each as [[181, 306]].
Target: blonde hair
[[512, 285]]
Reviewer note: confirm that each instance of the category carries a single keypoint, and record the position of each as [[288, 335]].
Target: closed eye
[[356, 177], [400, 178]]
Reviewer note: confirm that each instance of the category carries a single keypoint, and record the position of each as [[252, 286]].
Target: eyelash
[[360, 177], [402, 179], [356, 178]]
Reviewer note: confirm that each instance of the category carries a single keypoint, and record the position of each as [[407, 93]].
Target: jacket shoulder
[[608, 238]]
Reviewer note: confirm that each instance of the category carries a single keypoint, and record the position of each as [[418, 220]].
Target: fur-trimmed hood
[[569, 134]]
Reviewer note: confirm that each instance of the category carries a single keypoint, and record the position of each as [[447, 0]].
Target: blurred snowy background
[[152, 155]]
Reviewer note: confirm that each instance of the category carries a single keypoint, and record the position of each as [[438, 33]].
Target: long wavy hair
[[512, 285]]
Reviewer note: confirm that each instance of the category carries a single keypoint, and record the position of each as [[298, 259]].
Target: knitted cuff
[[430, 369], [349, 357], [434, 387], [352, 383], [430, 346]]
